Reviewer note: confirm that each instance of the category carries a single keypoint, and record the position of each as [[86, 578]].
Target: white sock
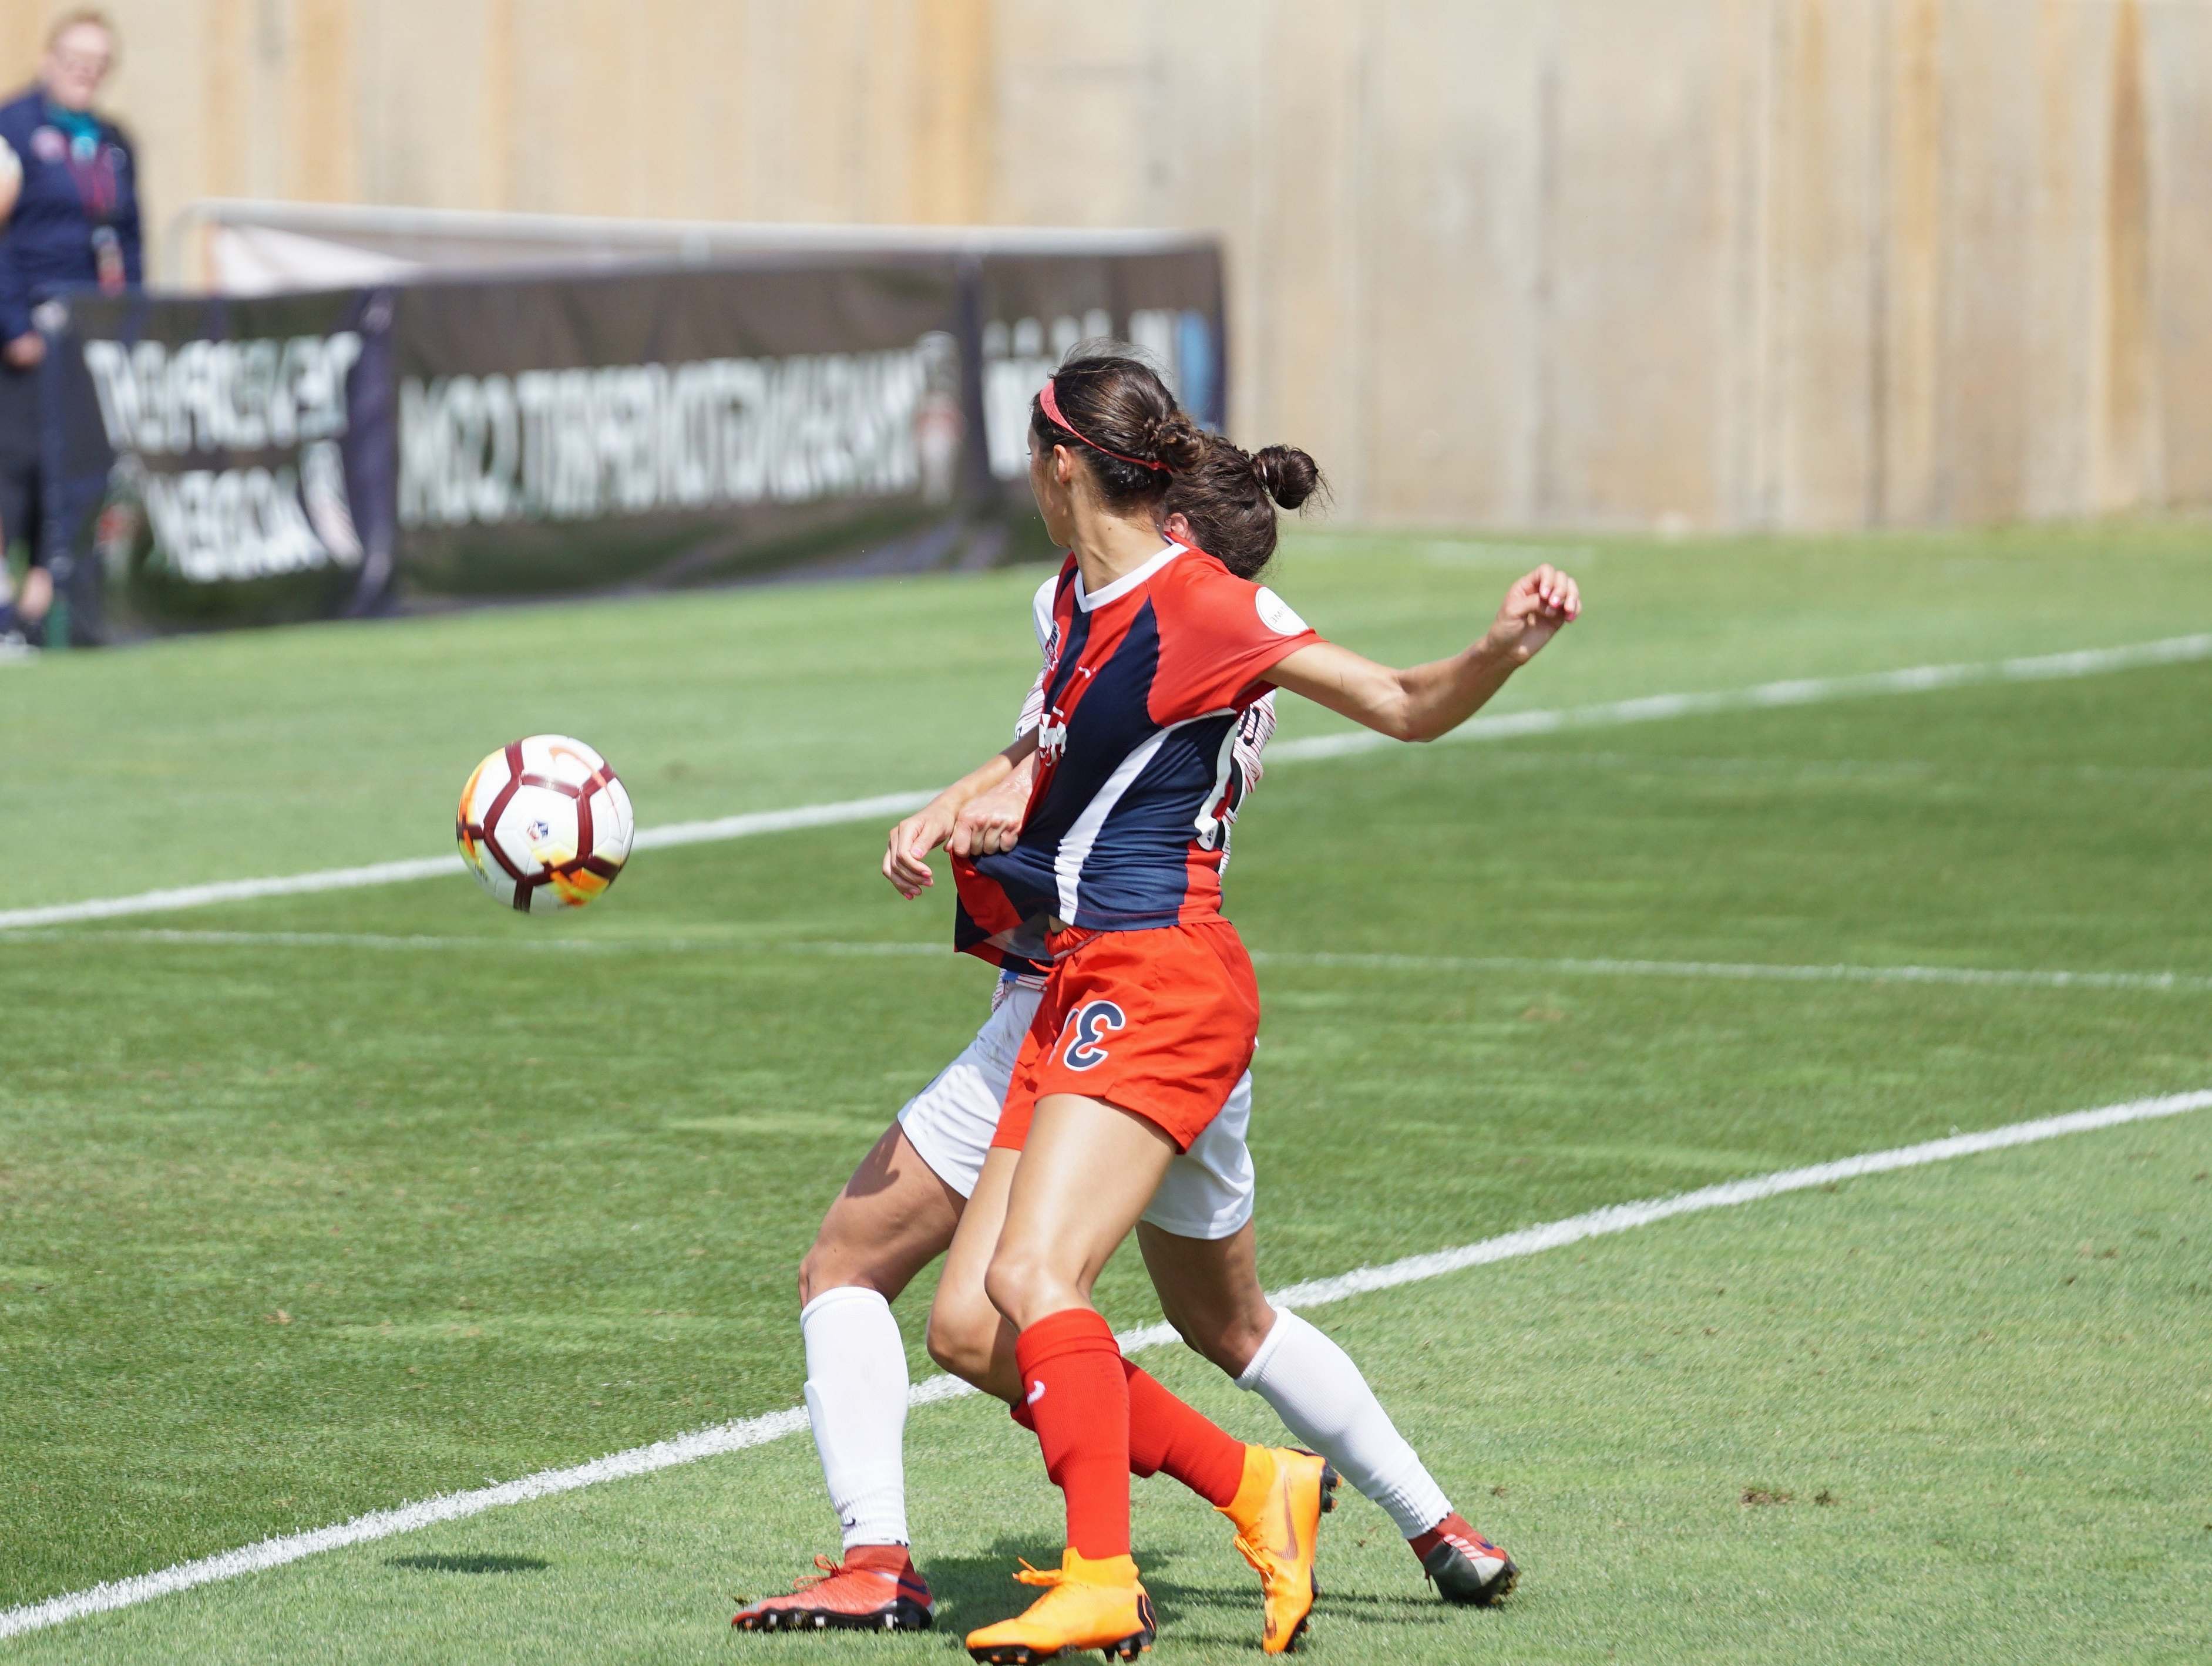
[[856, 1387], [1323, 1400]]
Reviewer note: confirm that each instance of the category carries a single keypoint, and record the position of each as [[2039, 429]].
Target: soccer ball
[[544, 824]]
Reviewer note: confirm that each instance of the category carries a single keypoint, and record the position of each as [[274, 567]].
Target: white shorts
[[1207, 1191]]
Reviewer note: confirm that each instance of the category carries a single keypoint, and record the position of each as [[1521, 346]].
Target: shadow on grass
[[979, 1591], [475, 1562]]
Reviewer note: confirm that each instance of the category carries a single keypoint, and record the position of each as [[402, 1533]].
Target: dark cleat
[[1465, 1568]]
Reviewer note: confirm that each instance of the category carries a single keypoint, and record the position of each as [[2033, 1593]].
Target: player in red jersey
[[900, 1209], [1151, 1010]]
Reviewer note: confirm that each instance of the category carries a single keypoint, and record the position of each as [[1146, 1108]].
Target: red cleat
[[1465, 1567], [876, 1589]]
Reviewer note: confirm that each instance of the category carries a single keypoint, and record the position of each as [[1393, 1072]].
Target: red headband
[[1050, 401]]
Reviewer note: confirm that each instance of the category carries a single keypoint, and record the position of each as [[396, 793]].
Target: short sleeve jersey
[[1146, 684]]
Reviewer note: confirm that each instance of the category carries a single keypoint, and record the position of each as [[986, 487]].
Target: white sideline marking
[[432, 867], [1803, 691], [2089, 662], [1732, 970], [1753, 971], [1317, 1292]]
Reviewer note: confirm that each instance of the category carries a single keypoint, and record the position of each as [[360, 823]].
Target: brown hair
[[1118, 416], [1139, 445], [1225, 496]]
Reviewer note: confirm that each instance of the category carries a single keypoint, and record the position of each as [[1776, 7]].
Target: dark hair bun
[[1176, 441], [1290, 475]]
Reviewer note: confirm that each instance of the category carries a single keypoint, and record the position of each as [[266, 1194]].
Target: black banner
[[675, 427], [256, 461], [224, 462]]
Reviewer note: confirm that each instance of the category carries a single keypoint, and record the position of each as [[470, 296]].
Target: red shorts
[[1159, 1023]]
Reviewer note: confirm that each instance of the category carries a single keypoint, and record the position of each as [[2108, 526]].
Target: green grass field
[[291, 1230]]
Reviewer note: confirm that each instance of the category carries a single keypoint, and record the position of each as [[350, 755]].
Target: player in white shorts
[[1207, 1194], [899, 1213], [1208, 1190]]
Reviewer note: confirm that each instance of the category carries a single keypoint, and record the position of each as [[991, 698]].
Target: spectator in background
[[11, 640], [75, 221]]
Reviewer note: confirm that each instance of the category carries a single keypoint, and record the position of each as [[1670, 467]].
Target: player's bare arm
[[905, 860], [1425, 701], [991, 821]]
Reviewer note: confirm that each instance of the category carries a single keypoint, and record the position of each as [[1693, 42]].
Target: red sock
[[1453, 1526], [891, 1558], [1167, 1436], [1078, 1401]]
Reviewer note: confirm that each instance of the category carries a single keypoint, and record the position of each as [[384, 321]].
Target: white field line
[[1803, 691], [431, 867], [2186, 982], [1650, 708], [774, 1425], [1753, 971]]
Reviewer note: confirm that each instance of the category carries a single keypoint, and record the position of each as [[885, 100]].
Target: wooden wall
[[1720, 262]]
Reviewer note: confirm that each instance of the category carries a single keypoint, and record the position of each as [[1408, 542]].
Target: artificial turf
[[294, 1229]]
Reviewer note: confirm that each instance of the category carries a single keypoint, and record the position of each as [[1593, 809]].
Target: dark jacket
[[68, 207]]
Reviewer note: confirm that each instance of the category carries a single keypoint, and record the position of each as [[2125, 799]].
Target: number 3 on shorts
[[1091, 1021]]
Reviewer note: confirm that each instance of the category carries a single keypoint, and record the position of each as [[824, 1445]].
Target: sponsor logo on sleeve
[[1277, 614]]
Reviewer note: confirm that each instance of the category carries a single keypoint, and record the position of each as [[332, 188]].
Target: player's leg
[[1086, 1172], [895, 1215], [970, 1338], [893, 1218], [1209, 1289], [1200, 1248]]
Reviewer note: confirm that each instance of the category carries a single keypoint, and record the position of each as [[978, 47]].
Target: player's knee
[[1025, 1286], [831, 1263], [812, 1283], [826, 1264], [960, 1340], [1231, 1340]]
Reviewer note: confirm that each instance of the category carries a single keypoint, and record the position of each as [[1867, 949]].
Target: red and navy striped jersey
[[1138, 778]]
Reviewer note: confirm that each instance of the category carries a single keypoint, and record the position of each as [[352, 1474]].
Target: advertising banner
[[429, 443], [224, 462], [675, 427]]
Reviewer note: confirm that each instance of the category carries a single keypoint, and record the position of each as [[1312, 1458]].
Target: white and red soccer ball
[[544, 824]]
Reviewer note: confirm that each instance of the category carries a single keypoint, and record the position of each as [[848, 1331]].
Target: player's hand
[[25, 351], [990, 822], [1534, 610], [906, 862]]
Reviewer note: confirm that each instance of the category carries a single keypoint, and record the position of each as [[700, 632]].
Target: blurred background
[[1717, 264], [1804, 262]]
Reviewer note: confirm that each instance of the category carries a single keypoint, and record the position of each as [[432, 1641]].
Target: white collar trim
[[1128, 582]]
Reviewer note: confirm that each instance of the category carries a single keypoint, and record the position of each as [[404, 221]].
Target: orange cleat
[[1086, 1605], [876, 1589], [1276, 1512]]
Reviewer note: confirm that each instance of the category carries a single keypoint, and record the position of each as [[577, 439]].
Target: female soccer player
[[899, 1210], [1150, 1011]]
